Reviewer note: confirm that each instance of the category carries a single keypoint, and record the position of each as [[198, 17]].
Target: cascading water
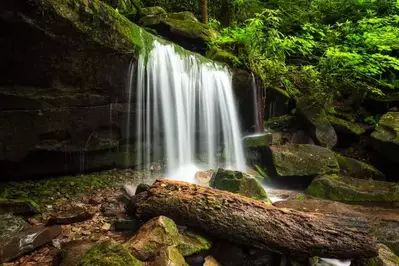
[[185, 108]]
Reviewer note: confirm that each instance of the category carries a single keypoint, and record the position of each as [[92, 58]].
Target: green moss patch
[[50, 190], [109, 254]]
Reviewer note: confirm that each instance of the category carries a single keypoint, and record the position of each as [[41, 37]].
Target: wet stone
[[10, 225], [26, 241], [72, 215]]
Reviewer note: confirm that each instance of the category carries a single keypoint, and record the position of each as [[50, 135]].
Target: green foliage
[[320, 48], [372, 120]]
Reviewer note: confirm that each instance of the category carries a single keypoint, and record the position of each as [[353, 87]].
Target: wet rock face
[[26, 241], [61, 77]]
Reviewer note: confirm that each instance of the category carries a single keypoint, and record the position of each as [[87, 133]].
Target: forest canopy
[[322, 48]]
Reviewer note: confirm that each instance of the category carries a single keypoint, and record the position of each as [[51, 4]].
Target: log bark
[[249, 222]]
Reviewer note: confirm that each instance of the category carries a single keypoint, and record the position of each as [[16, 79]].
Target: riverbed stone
[[26, 241], [334, 187], [11, 225], [72, 215], [158, 233], [303, 160], [169, 256], [240, 183], [109, 253], [192, 243], [386, 136], [357, 169]]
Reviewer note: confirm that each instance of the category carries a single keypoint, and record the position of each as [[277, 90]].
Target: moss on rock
[[109, 254], [385, 258], [346, 127], [357, 169], [185, 15], [386, 136], [258, 140], [158, 233], [303, 160], [347, 189], [152, 15], [192, 243], [238, 182], [223, 56], [169, 256]]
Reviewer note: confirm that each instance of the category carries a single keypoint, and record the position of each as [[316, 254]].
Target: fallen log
[[250, 222]]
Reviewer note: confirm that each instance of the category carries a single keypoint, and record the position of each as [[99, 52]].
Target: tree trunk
[[204, 8], [249, 222]]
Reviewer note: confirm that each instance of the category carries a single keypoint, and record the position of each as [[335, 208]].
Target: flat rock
[[11, 225], [158, 233], [72, 215], [303, 160], [27, 241], [21, 207], [333, 187]]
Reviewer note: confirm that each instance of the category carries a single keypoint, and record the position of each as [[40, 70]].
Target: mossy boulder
[[386, 136], [357, 169], [158, 233], [385, 258], [238, 182], [192, 243], [334, 187], [345, 127], [185, 15], [317, 123], [128, 8], [152, 15], [109, 254], [223, 56], [258, 140], [169, 256], [303, 160]]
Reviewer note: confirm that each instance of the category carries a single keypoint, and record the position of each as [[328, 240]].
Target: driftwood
[[249, 222]]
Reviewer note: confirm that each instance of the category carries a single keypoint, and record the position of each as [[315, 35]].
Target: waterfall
[[185, 108]]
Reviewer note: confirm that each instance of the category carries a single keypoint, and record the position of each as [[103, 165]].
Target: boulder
[[185, 15], [238, 182], [11, 225], [348, 189], [109, 253], [128, 8], [385, 258], [26, 241], [357, 169], [192, 243], [72, 252], [158, 233], [152, 15], [169, 256], [203, 177], [317, 123], [72, 215], [345, 127], [260, 140], [386, 136], [303, 160]]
